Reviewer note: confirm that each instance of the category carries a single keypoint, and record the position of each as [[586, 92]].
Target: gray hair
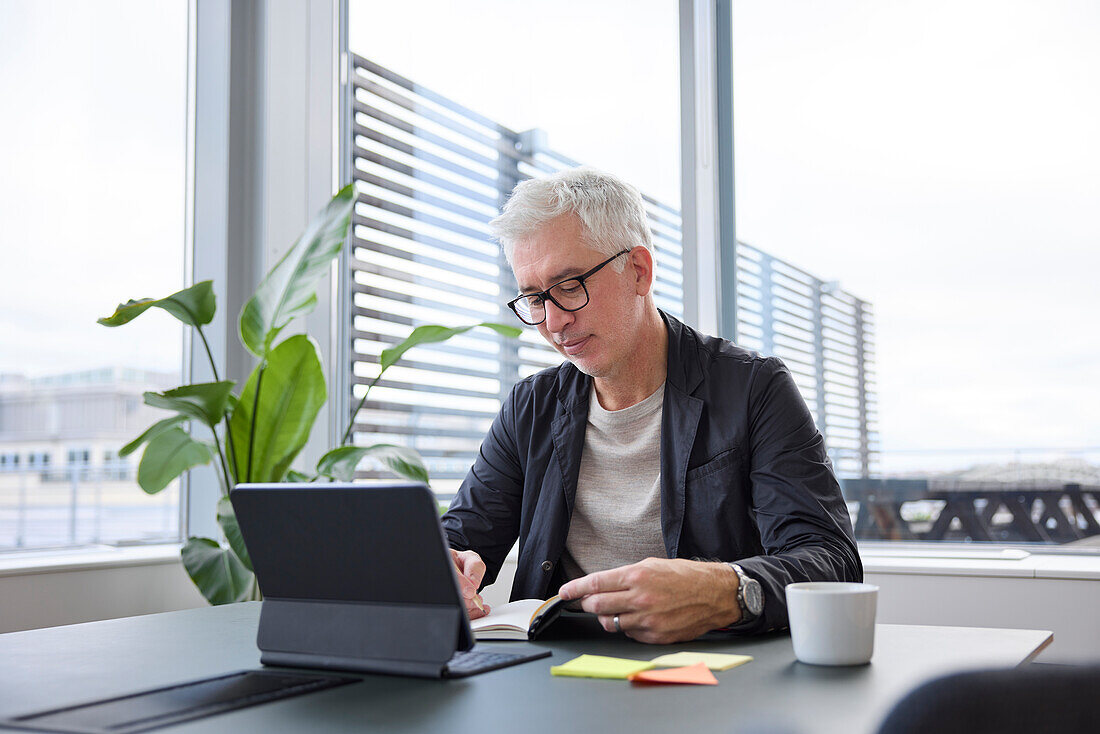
[[611, 211]]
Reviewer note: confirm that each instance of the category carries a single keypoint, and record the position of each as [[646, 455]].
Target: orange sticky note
[[698, 674]]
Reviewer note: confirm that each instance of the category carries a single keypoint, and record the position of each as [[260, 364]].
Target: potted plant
[[254, 434]]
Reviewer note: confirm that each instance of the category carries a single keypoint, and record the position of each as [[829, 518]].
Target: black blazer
[[744, 475]]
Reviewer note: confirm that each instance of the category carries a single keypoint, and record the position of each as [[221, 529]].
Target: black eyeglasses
[[570, 294]]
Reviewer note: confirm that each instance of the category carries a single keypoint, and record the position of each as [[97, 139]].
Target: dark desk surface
[[774, 693]]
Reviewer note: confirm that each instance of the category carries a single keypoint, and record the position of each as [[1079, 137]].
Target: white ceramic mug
[[832, 622]]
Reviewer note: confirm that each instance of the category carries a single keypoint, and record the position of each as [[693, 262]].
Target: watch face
[[754, 599]]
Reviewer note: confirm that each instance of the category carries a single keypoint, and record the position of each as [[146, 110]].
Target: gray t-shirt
[[617, 511]]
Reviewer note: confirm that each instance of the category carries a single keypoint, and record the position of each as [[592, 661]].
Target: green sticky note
[[713, 660], [599, 666]]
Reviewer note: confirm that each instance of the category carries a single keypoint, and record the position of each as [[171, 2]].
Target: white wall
[[1062, 595], [91, 589], [1057, 594]]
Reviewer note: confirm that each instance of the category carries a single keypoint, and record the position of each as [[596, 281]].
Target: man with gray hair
[[670, 482]]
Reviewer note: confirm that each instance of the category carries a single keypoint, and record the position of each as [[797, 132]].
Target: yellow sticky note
[[599, 666], [713, 660]]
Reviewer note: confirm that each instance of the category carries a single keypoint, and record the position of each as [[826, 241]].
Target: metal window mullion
[[508, 171], [767, 307], [864, 432], [819, 360]]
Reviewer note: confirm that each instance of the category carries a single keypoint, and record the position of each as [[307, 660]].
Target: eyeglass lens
[[569, 294]]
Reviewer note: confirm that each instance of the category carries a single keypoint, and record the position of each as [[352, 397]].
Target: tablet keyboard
[[478, 660]]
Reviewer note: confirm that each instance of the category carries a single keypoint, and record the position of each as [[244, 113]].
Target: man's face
[[597, 338]]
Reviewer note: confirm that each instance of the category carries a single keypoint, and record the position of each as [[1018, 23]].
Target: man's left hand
[[660, 600]]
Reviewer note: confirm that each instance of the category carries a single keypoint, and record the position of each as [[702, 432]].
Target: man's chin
[[587, 366], [585, 361]]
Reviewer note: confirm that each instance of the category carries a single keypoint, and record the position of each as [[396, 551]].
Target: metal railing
[[83, 505]]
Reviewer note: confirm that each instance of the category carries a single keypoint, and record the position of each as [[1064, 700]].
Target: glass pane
[[450, 114], [939, 160], [92, 205]]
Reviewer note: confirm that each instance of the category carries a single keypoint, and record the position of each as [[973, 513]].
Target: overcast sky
[[939, 159], [91, 191]]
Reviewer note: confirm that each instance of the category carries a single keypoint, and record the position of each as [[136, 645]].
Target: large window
[[92, 205], [446, 121], [941, 159]]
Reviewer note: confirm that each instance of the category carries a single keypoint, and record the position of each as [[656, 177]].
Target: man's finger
[[469, 590], [594, 583], [609, 603], [474, 613], [470, 571], [470, 596], [469, 565], [475, 569]]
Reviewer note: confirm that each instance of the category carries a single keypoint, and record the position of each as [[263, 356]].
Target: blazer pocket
[[722, 460]]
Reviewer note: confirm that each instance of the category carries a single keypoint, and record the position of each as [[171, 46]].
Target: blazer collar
[[682, 370]]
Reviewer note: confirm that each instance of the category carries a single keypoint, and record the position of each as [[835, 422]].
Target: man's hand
[[470, 570], [660, 600]]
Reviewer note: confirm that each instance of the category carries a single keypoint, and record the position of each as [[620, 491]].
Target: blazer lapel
[[567, 432], [568, 435], [679, 423]]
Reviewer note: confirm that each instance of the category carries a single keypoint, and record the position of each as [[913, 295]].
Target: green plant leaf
[[296, 476], [340, 463], [435, 333], [205, 401], [167, 456], [292, 392], [150, 433], [216, 571], [193, 306], [288, 290], [227, 518]]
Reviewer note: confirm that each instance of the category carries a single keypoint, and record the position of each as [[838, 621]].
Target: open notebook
[[525, 619]]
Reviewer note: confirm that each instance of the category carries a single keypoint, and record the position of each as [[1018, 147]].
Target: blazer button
[[547, 566]]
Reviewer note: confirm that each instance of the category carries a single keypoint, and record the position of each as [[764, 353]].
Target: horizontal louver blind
[[825, 336], [430, 175]]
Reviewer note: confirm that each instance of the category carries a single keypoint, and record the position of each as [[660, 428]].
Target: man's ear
[[641, 261]]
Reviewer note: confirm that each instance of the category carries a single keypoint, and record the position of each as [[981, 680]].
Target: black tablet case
[[354, 577]]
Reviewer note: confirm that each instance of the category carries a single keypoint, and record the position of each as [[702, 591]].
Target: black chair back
[[1028, 700]]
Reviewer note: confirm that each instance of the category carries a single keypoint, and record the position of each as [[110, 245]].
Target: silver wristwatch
[[750, 597]]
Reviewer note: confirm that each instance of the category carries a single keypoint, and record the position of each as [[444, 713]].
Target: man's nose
[[557, 318]]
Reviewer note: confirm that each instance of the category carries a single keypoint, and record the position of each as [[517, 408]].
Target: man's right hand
[[470, 570]]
